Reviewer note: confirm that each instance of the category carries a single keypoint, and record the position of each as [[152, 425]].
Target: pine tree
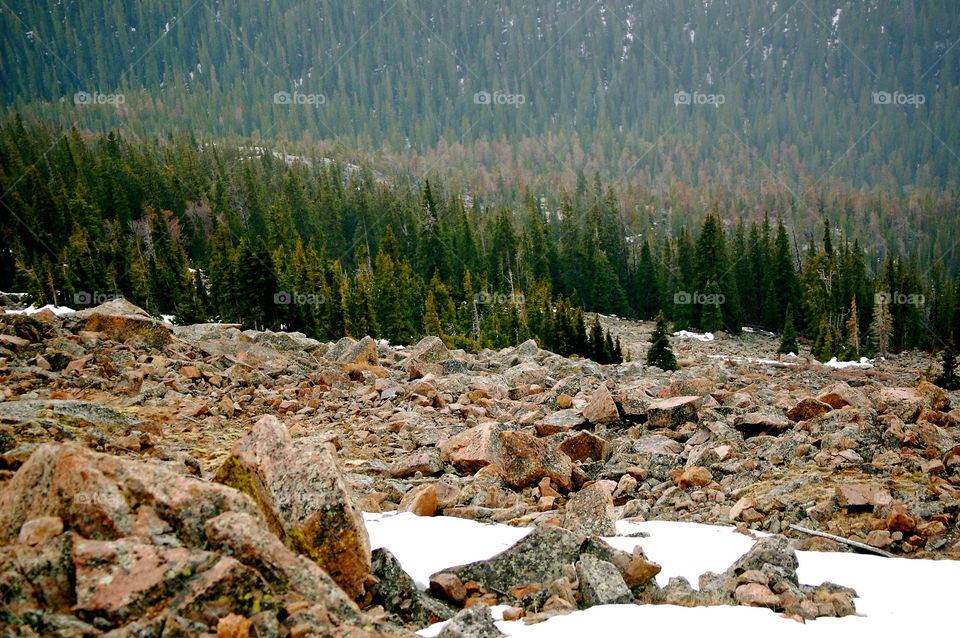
[[711, 318], [788, 343], [595, 339], [947, 379], [659, 354]]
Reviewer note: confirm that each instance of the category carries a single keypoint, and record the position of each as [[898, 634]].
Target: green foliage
[[659, 353], [788, 342]]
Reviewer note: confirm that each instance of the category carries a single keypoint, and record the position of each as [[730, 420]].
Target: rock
[[601, 409], [740, 507], [657, 455], [348, 352], [840, 395], [428, 462], [247, 539], [474, 448], [525, 459], [559, 421], [601, 583], [397, 593], [475, 621], [757, 595], [859, 495], [122, 321], [697, 476], [584, 446], [233, 626], [538, 558], [448, 587], [303, 498], [765, 420], [122, 579], [13, 343], [430, 349], [590, 512], [808, 408], [698, 386], [772, 554], [669, 413], [899, 519], [98, 495], [638, 570], [37, 530], [906, 403], [879, 538], [420, 500]]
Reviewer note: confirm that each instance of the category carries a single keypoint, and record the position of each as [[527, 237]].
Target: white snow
[[726, 357], [167, 319], [896, 595], [686, 334], [57, 310], [863, 363]]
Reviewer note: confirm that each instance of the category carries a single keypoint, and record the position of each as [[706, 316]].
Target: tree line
[[221, 231]]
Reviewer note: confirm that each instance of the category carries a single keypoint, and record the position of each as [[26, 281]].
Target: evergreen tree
[[882, 324], [788, 342], [947, 379], [659, 354]]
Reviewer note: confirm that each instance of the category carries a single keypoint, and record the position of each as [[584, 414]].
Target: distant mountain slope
[[866, 91]]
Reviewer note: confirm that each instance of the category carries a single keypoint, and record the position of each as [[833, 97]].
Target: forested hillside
[[689, 90], [209, 231]]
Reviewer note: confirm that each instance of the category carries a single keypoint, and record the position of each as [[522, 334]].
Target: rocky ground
[[203, 479]]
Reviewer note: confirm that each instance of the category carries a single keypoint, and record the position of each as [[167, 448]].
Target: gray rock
[[590, 511], [475, 621], [601, 583], [537, 558], [398, 594]]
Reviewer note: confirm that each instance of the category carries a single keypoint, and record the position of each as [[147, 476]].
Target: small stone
[[448, 587], [475, 621], [421, 500], [233, 626], [698, 476], [756, 595]]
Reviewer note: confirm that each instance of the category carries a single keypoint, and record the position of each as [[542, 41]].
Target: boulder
[[584, 446], [303, 498], [560, 421], [427, 462], [122, 321], [420, 500], [396, 592], [669, 413], [475, 448], [590, 512], [861, 495], [601, 409], [537, 558], [698, 386], [765, 420], [99, 496], [840, 395], [475, 621], [808, 408], [525, 459], [601, 583]]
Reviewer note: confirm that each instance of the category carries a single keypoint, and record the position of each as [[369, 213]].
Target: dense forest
[[208, 231], [864, 91]]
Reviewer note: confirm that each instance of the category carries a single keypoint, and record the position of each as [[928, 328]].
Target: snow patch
[[426, 545], [57, 310], [862, 363], [685, 334]]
